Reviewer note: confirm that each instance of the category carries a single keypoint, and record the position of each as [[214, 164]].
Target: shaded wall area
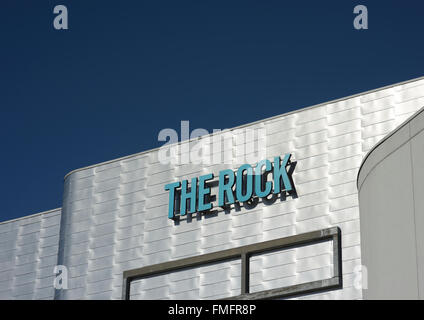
[[391, 202]]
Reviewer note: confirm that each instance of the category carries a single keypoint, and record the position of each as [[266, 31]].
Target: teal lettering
[[280, 173], [225, 189], [188, 195], [171, 187]]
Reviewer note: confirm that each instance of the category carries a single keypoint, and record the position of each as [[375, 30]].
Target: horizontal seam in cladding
[[97, 181], [216, 234], [354, 130], [98, 293], [273, 279], [41, 257], [301, 273], [188, 241], [344, 195], [343, 122], [314, 256], [156, 229], [409, 113], [399, 105], [346, 145], [145, 255], [344, 159], [291, 129], [280, 228], [342, 183], [315, 131], [94, 269], [245, 225], [342, 171], [122, 206], [346, 221], [103, 168], [375, 113], [218, 282], [317, 145], [377, 124], [210, 249], [194, 242], [156, 206], [353, 246], [382, 97], [365, 114], [93, 282], [304, 146], [301, 136], [31, 216], [325, 166], [407, 100], [124, 184], [241, 238], [324, 214], [126, 193], [21, 234], [338, 184], [168, 170], [184, 292], [344, 110], [323, 192], [350, 220]]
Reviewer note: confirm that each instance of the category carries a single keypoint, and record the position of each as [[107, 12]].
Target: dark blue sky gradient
[[127, 69]]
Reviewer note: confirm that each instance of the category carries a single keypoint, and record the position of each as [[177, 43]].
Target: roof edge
[[31, 215], [255, 122]]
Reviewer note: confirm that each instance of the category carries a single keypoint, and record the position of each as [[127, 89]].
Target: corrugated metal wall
[[28, 255]]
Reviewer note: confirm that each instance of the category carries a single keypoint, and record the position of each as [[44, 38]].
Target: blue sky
[[124, 70]]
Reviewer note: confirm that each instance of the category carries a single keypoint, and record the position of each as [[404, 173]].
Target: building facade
[[308, 238]]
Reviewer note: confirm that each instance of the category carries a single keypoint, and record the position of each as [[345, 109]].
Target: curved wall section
[[391, 201]]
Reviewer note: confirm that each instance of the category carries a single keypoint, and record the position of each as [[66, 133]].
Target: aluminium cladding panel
[[28, 255], [114, 215]]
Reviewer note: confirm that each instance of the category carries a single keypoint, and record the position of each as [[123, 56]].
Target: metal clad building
[[114, 217]]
